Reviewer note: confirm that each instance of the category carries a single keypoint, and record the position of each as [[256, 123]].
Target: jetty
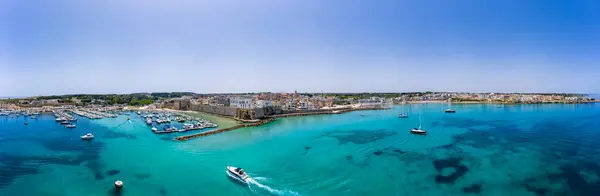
[[197, 135], [340, 111]]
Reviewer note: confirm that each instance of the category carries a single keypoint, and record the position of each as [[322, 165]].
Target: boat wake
[[253, 183]]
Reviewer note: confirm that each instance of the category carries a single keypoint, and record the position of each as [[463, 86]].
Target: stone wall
[[219, 110]]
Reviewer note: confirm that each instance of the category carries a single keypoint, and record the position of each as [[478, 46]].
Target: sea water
[[543, 149]]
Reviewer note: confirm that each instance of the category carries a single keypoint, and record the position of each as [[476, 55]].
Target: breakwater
[[187, 137], [341, 111]]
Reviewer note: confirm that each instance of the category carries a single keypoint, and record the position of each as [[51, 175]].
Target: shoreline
[[495, 102]]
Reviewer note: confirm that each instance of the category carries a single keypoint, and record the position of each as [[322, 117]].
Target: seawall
[[187, 137]]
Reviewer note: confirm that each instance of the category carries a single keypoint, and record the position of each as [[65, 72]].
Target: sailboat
[[418, 130], [403, 114], [449, 110]]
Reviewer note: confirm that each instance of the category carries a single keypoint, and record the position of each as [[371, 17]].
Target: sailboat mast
[[420, 121]]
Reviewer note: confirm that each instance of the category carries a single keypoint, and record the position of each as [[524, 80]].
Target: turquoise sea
[[544, 149]]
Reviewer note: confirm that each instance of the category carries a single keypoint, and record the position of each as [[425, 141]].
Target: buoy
[[118, 184]]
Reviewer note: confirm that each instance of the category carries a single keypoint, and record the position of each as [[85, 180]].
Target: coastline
[[496, 102]]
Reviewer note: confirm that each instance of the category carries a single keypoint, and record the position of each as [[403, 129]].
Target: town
[[252, 106]]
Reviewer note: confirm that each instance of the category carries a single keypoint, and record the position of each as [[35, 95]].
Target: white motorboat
[[154, 129], [88, 136], [71, 126], [402, 115], [237, 173]]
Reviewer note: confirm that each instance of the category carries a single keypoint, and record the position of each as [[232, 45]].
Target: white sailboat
[[420, 129], [450, 110]]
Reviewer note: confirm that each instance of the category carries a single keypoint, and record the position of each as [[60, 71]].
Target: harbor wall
[[187, 137], [219, 110]]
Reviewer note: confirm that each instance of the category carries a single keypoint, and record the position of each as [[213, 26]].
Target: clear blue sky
[[126, 46]]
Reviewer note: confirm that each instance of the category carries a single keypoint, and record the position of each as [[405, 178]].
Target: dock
[[197, 135]]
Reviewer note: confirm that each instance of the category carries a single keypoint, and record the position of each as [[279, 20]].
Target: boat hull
[[419, 132], [233, 174]]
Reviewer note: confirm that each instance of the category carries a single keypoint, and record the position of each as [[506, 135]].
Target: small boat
[[65, 122], [33, 117], [26, 123], [154, 129], [450, 110], [237, 173], [128, 118], [419, 130], [71, 126], [88, 136], [402, 115]]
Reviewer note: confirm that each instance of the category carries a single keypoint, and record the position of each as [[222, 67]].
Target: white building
[[305, 104], [240, 102], [262, 103]]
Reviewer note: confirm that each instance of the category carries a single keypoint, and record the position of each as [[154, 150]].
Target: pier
[[341, 111], [187, 137]]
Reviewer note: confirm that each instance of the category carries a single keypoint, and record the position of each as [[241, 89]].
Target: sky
[[130, 46]]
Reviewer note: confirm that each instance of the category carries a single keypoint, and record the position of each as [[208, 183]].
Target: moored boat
[[418, 131], [450, 110], [71, 126], [88, 136]]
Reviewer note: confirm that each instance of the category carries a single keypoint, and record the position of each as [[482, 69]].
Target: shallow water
[[481, 149]]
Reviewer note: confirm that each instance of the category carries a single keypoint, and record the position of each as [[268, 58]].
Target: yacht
[[418, 130], [60, 119], [402, 115], [71, 126], [237, 173], [450, 110], [148, 121], [88, 136]]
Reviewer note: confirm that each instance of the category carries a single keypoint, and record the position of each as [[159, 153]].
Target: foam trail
[[259, 178], [271, 190]]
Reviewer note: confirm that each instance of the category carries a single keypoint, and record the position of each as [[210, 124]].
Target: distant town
[[259, 105]]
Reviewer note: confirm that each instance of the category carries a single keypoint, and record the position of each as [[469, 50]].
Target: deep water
[[544, 149]]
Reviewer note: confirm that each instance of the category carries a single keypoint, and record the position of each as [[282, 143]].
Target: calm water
[[482, 149]]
